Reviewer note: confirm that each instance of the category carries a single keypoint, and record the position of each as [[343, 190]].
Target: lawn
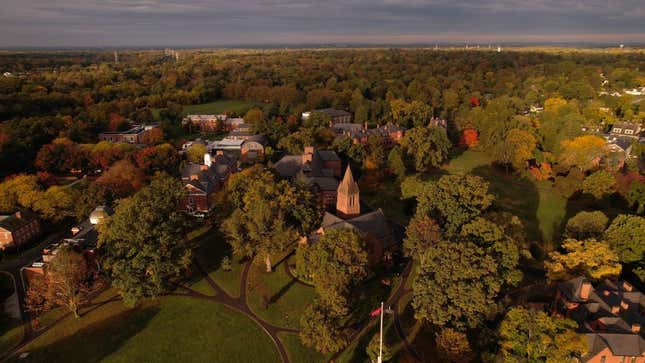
[[11, 333], [299, 353], [169, 329], [286, 298], [236, 107], [212, 249]]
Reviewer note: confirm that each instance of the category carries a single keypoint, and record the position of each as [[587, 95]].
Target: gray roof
[[373, 224], [333, 112], [628, 345], [291, 165], [325, 183], [12, 223]]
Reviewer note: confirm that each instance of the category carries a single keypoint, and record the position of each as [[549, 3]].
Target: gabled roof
[[12, 223], [373, 224]]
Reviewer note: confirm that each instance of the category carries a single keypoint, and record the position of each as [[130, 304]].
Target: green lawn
[[299, 353], [212, 249], [170, 329], [11, 333], [286, 298], [236, 107]]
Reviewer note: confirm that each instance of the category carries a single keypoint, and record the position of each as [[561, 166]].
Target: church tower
[[348, 202]]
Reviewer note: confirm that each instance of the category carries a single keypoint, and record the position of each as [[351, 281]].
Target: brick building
[[18, 228]]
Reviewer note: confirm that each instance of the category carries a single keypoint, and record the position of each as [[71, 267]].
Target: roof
[[325, 183], [226, 143], [99, 213], [291, 165], [12, 223], [327, 155], [373, 224], [333, 112], [260, 139], [628, 345]]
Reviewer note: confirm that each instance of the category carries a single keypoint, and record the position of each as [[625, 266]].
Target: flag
[[376, 312]]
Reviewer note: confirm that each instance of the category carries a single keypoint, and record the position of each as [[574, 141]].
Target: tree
[[320, 329], [121, 179], [395, 163], [517, 149], [374, 347], [67, 282], [55, 204], [422, 232], [586, 225], [533, 336], [254, 116], [337, 262], [626, 236], [636, 196], [427, 146], [583, 152], [160, 158], [456, 285], [453, 346], [269, 216], [143, 245], [591, 258], [196, 153], [454, 200], [599, 184]]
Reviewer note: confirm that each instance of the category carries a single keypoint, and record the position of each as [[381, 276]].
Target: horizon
[[218, 23]]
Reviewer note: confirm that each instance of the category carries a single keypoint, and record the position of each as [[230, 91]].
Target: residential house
[[622, 135], [381, 239], [139, 134], [337, 116], [202, 181], [610, 314], [18, 228], [389, 133], [319, 167]]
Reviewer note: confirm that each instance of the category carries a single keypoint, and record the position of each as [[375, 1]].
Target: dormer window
[[617, 130], [629, 132]]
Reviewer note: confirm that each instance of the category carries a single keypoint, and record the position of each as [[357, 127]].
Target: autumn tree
[[599, 184], [453, 346], [143, 246], [160, 158], [533, 336], [586, 225], [422, 232], [426, 146], [68, 282], [583, 152], [17, 191], [121, 179], [517, 149], [591, 258]]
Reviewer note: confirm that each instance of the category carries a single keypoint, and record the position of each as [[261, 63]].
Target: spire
[[348, 202]]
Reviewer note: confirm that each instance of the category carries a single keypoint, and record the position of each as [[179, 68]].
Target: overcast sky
[[228, 22]]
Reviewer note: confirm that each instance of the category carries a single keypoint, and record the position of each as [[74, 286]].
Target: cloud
[[213, 22]]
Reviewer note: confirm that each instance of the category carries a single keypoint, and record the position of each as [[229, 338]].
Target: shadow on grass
[[96, 341]]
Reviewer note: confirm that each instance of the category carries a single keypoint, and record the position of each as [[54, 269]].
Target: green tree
[[337, 263], [456, 285], [586, 225], [517, 149], [395, 163], [454, 200], [320, 329], [599, 184], [626, 236], [636, 196], [144, 245], [533, 336], [422, 232], [427, 146], [591, 258], [195, 153], [373, 349]]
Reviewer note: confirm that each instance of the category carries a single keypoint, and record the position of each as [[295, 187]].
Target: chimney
[[585, 290], [75, 230], [18, 215], [636, 328], [365, 125], [627, 286], [308, 155], [219, 153], [615, 309], [203, 167], [606, 292], [624, 305], [194, 177]]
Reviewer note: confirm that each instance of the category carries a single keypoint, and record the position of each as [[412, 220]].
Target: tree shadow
[[516, 195], [280, 293], [211, 248], [611, 205], [96, 341]]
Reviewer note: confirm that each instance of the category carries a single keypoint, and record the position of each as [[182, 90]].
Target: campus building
[[18, 228]]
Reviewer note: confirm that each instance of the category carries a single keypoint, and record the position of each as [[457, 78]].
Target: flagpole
[[380, 349]]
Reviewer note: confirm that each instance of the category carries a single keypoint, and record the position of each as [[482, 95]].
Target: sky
[[148, 23]]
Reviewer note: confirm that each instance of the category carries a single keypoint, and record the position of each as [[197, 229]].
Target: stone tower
[[348, 203]]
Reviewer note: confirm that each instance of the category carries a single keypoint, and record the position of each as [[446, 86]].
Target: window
[[617, 130], [634, 359], [629, 132], [603, 359]]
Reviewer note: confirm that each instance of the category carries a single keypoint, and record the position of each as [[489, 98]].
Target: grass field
[[286, 298], [169, 329], [213, 108], [299, 353]]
